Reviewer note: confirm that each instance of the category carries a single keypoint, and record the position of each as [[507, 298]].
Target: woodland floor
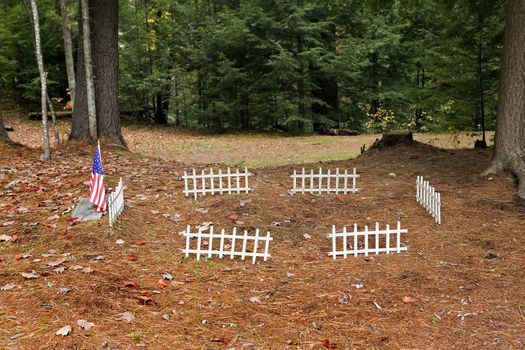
[[466, 277]]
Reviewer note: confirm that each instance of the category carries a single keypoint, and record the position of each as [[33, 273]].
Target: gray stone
[[85, 211]]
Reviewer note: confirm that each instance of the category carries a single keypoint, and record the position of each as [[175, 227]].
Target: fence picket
[[308, 181], [387, 239], [220, 252], [218, 187], [244, 242], [367, 247], [429, 198], [266, 246], [115, 203]]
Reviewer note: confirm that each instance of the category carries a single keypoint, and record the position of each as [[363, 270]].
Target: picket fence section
[[213, 183], [115, 203], [229, 244], [337, 182], [427, 196], [366, 242]]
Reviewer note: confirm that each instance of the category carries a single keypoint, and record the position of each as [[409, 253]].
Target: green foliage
[[18, 69], [298, 65]]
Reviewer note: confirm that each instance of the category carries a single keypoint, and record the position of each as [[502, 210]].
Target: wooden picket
[[115, 203], [366, 242], [313, 182], [429, 198], [224, 251], [229, 182]]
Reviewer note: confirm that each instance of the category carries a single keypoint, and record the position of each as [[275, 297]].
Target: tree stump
[[394, 138]]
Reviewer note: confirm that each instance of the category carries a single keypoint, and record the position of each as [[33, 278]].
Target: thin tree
[[46, 155], [509, 151], [88, 63], [54, 120], [3, 132], [68, 50]]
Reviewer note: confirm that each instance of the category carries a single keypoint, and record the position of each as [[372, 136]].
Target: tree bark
[[53, 119], [88, 67], [105, 54], [509, 151], [104, 35], [68, 50], [80, 123], [3, 132], [46, 155]]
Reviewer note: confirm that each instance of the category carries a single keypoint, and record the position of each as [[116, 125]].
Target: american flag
[[97, 192]]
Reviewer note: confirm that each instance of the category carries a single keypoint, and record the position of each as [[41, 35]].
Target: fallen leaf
[[66, 330], [327, 344], [14, 238], [29, 275], [340, 197], [8, 286], [132, 257], [407, 299], [144, 300], [202, 210], [56, 263], [167, 276], [139, 242], [127, 316], [130, 283], [60, 269], [83, 324], [255, 299], [162, 283], [234, 217]]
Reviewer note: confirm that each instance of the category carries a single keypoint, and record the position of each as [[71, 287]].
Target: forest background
[[297, 66]]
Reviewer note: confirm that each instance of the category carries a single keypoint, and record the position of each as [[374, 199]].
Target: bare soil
[[466, 277]]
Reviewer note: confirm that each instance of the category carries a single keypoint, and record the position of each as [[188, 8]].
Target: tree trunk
[[105, 56], [80, 123], [509, 152], [88, 67], [46, 155], [68, 50], [104, 35], [53, 119], [3, 132]]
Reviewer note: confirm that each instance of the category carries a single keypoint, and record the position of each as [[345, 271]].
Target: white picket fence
[[366, 242], [337, 182], [243, 245], [115, 203], [228, 182], [427, 196]]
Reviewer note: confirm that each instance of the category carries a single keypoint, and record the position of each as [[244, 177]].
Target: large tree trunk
[[104, 35], [509, 152], [105, 53], [46, 155], [88, 70], [68, 50]]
